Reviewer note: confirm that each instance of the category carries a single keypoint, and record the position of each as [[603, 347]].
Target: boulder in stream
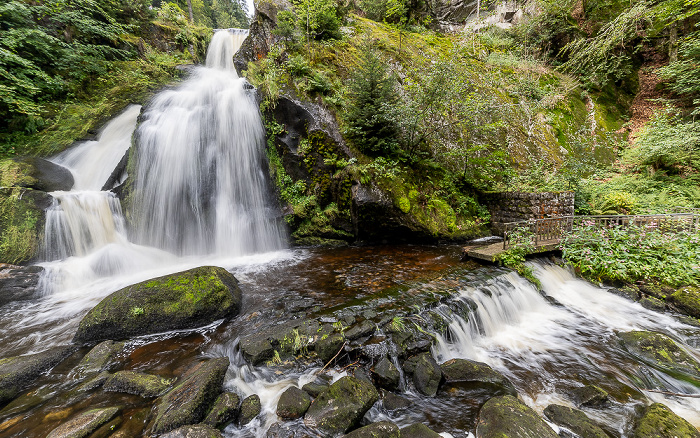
[[141, 384], [418, 430], [250, 409], [590, 396], [471, 373], [189, 401], [661, 352], [658, 421], [386, 374], [225, 410], [194, 431], [427, 375], [687, 300], [99, 358], [41, 174], [85, 423], [184, 300], [18, 372], [574, 420], [381, 429], [506, 416], [293, 403], [341, 406], [18, 283]]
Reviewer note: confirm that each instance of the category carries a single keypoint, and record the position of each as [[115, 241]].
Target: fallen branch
[[333, 358]]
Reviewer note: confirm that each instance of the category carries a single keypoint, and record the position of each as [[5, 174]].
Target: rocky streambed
[[382, 341]]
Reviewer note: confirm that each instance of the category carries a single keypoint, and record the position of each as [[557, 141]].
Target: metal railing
[[550, 230]]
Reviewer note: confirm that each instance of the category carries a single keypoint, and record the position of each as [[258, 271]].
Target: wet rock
[[93, 383], [287, 339], [658, 421], [250, 409], [44, 175], [589, 396], [506, 416], [472, 373], [381, 429], [130, 382], [409, 365], [630, 292], [362, 374], [574, 420], [18, 372], [661, 352], [314, 389], [341, 406], [386, 374], [18, 283], [22, 221], [327, 348], [189, 401], [687, 300], [293, 403], [652, 303], [85, 423], [393, 402], [427, 375], [194, 431], [25, 402], [256, 350], [225, 410], [184, 300], [278, 430], [418, 430], [98, 359], [365, 328], [656, 290]]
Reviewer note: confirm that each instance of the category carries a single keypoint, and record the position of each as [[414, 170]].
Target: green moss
[[661, 352], [687, 299], [659, 421], [21, 229]]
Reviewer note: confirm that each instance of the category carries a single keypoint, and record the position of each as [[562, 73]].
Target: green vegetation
[[521, 244]]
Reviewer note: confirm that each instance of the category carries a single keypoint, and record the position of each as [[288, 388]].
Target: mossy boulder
[[99, 358], [315, 388], [386, 374], [393, 402], [506, 416], [293, 403], [427, 375], [184, 300], [418, 430], [652, 303], [190, 400], [22, 221], [250, 409], [85, 423], [225, 410], [341, 406], [574, 420], [141, 384], [589, 396], [18, 372], [658, 421], [194, 431], [328, 347], [465, 372], [663, 353], [40, 174], [381, 429], [687, 300]]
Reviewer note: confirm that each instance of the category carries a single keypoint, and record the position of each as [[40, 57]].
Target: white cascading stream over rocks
[[200, 184]]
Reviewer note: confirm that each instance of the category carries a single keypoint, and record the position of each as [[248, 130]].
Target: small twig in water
[[674, 393], [333, 358]]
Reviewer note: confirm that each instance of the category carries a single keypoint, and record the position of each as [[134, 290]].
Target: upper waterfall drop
[[200, 185], [224, 44]]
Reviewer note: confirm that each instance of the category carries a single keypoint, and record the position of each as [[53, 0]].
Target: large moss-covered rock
[[178, 301], [687, 300], [507, 417], [131, 382], [40, 174], [381, 429], [574, 420], [341, 406], [250, 409], [18, 372], [386, 374], [225, 410], [661, 352], [190, 400], [293, 403], [659, 421], [99, 358], [465, 372], [418, 430], [427, 375], [589, 396], [85, 423]]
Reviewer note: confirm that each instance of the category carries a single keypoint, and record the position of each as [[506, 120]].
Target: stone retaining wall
[[518, 206]]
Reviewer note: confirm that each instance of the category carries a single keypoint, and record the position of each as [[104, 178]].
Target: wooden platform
[[488, 253]]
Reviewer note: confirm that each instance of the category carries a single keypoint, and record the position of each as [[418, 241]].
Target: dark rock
[[314, 389], [26, 401], [658, 421], [427, 375], [184, 300], [629, 292], [278, 430], [118, 173], [225, 410], [472, 373], [409, 365], [393, 402], [287, 339], [85, 423], [93, 383], [652, 303], [687, 300], [365, 328], [418, 430], [656, 290], [574, 420], [130, 382], [589, 396], [98, 359], [661, 352], [506, 416], [45, 175], [18, 372], [386, 374], [250, 409], [260, 37], [189, 401], [362, 374], [194, 431], [256, 350], [293, 403], [18, 283], [327, 348], [382, 429], [341, 406], [107, 429]]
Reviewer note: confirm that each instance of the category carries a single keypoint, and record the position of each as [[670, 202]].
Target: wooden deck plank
[[489, 253]]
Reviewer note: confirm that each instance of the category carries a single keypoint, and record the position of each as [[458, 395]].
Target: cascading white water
[[200, 185]]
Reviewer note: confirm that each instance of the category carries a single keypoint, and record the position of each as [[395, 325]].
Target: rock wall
[[519, 206]]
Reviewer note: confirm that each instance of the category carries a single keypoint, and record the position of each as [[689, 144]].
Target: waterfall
[[200, 184]]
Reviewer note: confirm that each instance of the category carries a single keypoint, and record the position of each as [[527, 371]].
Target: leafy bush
[[683, 76], [668, 142]]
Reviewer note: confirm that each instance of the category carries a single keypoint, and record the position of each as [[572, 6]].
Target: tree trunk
[[673, 42], [189, 7]]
